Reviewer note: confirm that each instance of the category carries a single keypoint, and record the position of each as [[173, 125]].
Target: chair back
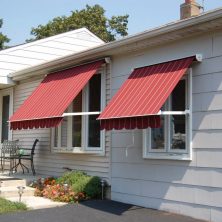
[[33, 146], [9, 148]]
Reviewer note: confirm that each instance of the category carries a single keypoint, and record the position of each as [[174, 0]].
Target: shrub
[[82, 183], [93, 187], [80, 186], [71, 177], [58, 193]]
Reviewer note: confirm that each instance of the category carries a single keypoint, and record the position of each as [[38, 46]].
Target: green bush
[[7, 206], [82, 183], [93, 187], [71, 177]]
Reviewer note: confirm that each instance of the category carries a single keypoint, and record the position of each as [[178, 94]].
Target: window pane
[[157, 136], [77, 122], [95, 93], [64, 132], [178, 132], [94, 131], [179, 96], [94, 105], [5, 117], [55, 136]]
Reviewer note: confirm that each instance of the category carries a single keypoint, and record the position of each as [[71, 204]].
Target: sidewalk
[[31, 201], [38, 202]]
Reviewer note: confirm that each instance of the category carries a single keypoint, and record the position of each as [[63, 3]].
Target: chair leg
[[22, 165], [10, 166], [2, 164], [14, 164], [22, 169], [32, 166]]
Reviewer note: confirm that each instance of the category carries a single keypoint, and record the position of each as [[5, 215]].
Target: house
[[158, 97], [24, 56]]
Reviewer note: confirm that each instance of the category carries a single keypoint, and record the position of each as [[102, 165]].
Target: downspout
[[110, 132]]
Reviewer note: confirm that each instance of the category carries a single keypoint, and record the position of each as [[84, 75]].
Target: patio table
[[20, 153]]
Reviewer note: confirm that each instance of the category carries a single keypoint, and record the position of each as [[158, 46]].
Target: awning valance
[[141, 97], [46, 105]]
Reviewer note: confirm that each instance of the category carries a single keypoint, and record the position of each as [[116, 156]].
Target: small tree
[[92, 18], [3, 38]]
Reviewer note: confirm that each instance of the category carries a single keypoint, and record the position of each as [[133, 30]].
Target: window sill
[[170, 156], [78, 151]]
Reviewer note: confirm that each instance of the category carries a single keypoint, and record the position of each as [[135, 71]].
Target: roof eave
[[116, 45]]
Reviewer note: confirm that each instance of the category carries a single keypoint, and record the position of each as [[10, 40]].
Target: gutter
[[170, 27]]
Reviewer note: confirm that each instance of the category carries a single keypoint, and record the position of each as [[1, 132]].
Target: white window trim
[[84, 149], [167, 153], [6, 92]]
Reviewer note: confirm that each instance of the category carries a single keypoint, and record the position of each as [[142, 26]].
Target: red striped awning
[[141, 97], [46, 105]]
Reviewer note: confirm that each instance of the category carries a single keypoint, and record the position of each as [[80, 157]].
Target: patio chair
[[27, 155], [8, 154]]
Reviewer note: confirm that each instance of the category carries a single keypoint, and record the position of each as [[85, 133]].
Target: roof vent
[[189, 9]]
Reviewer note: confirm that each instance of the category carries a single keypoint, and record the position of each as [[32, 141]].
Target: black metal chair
[[26, 156], [8, 154]]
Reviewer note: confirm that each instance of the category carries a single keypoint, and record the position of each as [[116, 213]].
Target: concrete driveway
[[95, 211]]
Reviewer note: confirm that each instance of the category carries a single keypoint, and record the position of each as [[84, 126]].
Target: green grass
[[7, 206]]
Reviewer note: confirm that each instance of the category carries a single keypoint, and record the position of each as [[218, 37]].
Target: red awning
[[142, 95], [46, 105]]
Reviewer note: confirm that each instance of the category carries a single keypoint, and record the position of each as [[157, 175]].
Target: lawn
[[7, 206]]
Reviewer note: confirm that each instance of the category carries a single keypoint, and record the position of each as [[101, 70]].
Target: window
[[80, 131], [173, 139]]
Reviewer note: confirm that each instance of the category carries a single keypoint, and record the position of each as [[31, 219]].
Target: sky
[[19, 16]]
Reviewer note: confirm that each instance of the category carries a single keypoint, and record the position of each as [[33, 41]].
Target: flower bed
[[71, 187]]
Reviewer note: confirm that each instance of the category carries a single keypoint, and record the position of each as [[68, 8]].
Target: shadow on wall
[[207, 107]]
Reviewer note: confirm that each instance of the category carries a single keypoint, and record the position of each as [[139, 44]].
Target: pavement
[[95, 211]]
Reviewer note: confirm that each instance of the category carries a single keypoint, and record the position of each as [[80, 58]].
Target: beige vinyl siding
[[48, 162], [194, 187]]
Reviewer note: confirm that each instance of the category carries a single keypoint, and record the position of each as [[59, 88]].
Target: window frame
[[168, 152], [84, 149]]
